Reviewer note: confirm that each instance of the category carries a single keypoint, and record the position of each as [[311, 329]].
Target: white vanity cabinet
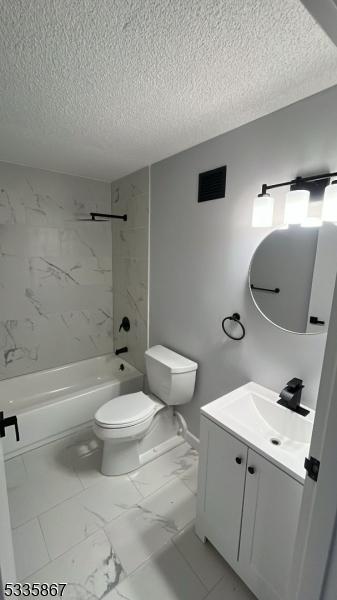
[[221, 487], [248, 508]]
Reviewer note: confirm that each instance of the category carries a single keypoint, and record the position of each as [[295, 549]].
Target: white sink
[[252, 414]]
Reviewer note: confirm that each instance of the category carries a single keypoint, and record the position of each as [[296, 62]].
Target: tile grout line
[[135, 487], [158, 550], [45, 541], [99, 529], [188, 487], [172, 478], [68, 499], [40, 514], [149, 559], [53, 560], [74, 496], [187, 562], [103, 527], [46, 548], [216, 584]]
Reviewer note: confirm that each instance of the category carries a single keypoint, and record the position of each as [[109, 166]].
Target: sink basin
[[252, 414]]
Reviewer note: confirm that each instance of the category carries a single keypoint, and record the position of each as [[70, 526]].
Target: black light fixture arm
[[104, 216], [297, 180]]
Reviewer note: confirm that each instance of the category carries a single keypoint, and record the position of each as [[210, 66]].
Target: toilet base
[[120, 458]]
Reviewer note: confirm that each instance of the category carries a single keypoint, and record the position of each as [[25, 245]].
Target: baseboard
[[192, 440], [161, 449]]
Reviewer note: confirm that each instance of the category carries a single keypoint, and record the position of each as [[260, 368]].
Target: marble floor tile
[[202, 558], [40, 493], [81, 453], [176, 463], [231, 587], [110, 498], [66, 525], [49, 480], [29, 549], [140, 532], [15, 472], [56, 456], [85, 513], [190, 477], [51, 458], [91, 569], [87, 466], [167, 576], [120, 538]]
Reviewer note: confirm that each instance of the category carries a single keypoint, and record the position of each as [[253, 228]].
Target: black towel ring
[[236, 318]]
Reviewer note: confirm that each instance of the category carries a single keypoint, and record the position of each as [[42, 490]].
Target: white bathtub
[[54, 403]]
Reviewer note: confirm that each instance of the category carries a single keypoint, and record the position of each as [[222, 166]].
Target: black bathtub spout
[[121, 350]]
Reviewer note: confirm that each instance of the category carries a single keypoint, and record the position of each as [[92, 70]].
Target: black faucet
[[121, 350], [290, 397]]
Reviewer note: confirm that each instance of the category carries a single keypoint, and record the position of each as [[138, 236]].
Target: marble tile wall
[[130, 195], [55, 270]]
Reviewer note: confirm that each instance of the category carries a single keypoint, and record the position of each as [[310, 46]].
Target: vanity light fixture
[[263, 210], [297, 200], [329, 210], [312, 222], [297, 204]]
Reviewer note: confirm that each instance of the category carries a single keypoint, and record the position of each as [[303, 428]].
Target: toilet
[[125, 420]]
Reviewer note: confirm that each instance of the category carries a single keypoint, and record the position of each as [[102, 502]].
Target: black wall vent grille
[[212, 184]]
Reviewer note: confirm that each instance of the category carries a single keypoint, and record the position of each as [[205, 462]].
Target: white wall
[[55, 270], [200, 253]]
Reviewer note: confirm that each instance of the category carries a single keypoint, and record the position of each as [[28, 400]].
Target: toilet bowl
[[123, 421], [120, 423]]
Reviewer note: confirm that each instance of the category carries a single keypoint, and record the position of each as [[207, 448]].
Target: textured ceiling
[[100, 88]]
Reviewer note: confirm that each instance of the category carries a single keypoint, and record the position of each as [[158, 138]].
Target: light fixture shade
[[296, 209], [329, 210], [263, 211], [312, 222]]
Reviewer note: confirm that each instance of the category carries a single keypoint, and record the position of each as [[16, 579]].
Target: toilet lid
[[126, 410]]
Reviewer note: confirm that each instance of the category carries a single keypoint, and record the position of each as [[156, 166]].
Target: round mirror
[[292, 277]]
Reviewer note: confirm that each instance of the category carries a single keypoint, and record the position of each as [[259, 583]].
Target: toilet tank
[[171, 377]]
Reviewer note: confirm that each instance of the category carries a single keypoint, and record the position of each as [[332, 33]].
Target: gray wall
[[55, 271], [200, 254], [130, 195]]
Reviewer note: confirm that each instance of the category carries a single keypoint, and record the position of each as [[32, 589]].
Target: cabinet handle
[[238, 460], [251, 470]]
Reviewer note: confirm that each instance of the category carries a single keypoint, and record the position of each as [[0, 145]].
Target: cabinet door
[[269, 523], [221, 487]]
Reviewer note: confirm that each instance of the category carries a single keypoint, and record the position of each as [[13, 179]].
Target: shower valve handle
[[125, 324]]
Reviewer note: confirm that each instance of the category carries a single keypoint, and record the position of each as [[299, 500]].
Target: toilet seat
[[126, 411]]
